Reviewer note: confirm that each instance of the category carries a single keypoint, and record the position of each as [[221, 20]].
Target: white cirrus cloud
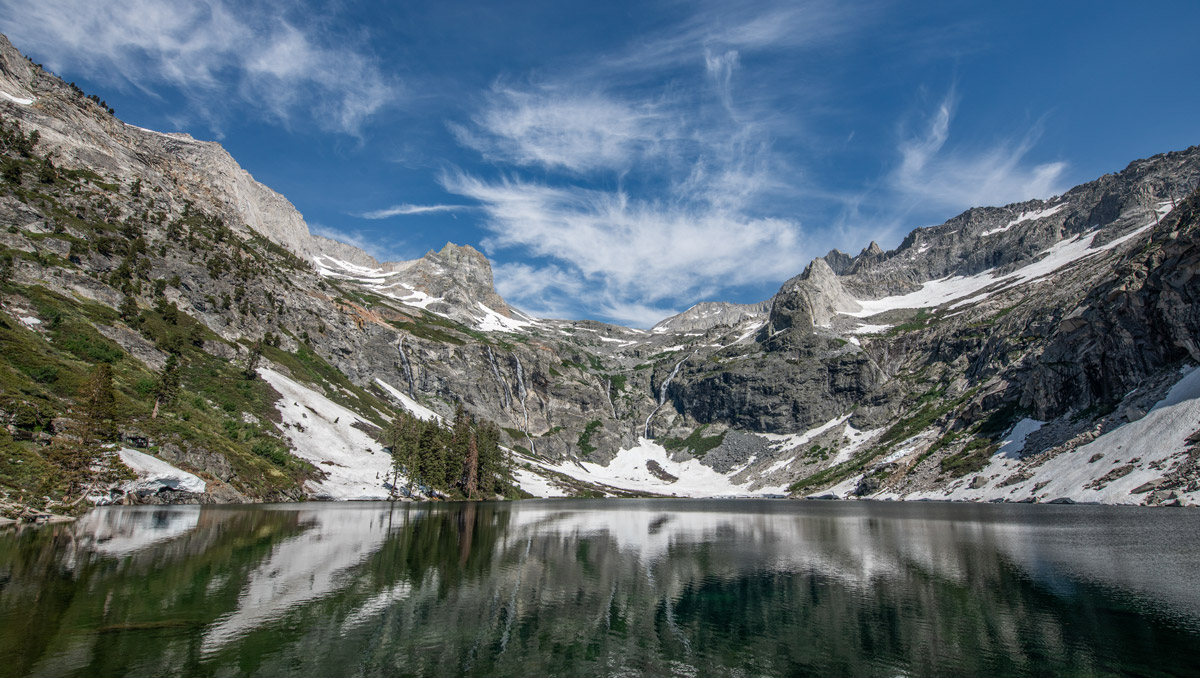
[[277, 65], [407, 210], [959, 178], [624, 258], [555, 127]]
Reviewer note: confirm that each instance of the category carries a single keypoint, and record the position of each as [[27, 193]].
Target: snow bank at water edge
[[323, 433], [537, 485], [155, 474]]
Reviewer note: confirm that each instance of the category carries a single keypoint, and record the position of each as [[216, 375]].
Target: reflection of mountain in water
[[586, 588]]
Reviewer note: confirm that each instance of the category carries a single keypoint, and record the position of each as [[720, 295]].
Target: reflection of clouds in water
[[124, 531], [304, 568]]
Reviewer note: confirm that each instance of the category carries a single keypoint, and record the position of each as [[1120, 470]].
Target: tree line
[[463, 459]]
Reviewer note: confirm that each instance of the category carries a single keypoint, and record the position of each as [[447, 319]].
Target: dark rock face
[[806, 382], [212, 463], [1142, 320]]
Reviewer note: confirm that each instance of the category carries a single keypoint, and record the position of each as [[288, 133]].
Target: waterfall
[[522, 393], [505, 392], [608, 394], [408, 370], [662, 393]]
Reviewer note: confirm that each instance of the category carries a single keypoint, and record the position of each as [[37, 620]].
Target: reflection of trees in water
[[492, 589], [65, 599]]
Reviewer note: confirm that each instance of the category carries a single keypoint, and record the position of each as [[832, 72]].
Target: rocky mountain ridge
[[994, 344]]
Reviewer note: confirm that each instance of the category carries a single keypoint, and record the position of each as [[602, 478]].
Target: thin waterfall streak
[[408, 370], [662, 393]]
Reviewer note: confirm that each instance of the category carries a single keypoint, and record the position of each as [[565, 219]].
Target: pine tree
[[99, 406], [252, 360], [6, 268], [79, 455], [128, 309], [167, 386]]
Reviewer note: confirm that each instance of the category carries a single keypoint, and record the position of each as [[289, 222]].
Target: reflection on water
[[570, 588]]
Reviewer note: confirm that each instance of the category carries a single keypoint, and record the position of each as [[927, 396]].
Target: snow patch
[[628, 471], [537, 485], [1026, 216], [15, 100], [414, 408], [870, 329], [1132, 451], [858, 440], [496, 322], [789, 441], [154, 474], [323, 433], [1014, 441]]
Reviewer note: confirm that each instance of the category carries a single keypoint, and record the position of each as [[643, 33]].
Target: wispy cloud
[[746, 26], [558, 127], [720, 69], [637, 198], [279, 66], [630, 255], [960, 177], [406, 209]]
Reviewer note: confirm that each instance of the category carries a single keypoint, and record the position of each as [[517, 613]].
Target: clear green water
[[605, 588]]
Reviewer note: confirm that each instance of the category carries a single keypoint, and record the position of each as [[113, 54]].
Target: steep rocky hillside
[[1033, 352]]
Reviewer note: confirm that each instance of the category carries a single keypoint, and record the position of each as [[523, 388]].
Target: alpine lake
[[605, 588]]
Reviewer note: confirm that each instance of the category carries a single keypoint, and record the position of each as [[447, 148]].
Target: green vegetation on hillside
[[697, 443]]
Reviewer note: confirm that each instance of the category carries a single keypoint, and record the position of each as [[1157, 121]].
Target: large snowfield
[[323, 433]]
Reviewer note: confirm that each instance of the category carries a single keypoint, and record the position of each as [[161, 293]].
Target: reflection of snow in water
[[859, 545], [123, 531], [859, 542], [304, 568]]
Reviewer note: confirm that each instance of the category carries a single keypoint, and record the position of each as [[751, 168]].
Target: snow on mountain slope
[[399, 283], [972, 289], [16, 100], [414, 408], [1026, 216], [323, 433], [1107, 470], [630, 470]]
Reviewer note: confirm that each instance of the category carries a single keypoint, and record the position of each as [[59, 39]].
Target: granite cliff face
[[974, 361]]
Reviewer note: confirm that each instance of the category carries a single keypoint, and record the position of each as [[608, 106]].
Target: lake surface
[[605, 588]]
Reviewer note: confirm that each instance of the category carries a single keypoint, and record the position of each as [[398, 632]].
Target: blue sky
[[624, 160]]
